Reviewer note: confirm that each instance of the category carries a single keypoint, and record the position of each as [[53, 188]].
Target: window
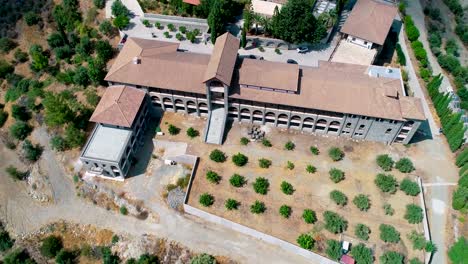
[[352, 116], [354, 39], [379, 119], [348, 125], [361, 127], [365, 42], [365, 117], [95, 165], [388, 131]]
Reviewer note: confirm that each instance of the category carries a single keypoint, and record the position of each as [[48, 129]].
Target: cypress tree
[[462, 158]]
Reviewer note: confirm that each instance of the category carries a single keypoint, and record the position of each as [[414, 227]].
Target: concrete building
[[121, 120], [360, 102]]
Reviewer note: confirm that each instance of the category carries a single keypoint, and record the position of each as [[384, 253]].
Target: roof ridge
[[118, 106], [222, 51]]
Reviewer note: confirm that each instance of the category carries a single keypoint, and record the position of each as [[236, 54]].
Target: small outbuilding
[[346, 259]]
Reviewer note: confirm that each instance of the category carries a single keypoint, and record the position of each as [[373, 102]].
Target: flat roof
[[348, 52], [265, 7], [107, 143]]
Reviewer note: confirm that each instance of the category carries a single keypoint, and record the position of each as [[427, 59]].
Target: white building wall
[[359, 41]]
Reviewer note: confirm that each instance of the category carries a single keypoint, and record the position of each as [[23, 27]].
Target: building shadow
[[423, 133], [386, 54], [227, 128]]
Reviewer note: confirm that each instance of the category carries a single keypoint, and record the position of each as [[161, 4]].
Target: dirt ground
[[311, 190]]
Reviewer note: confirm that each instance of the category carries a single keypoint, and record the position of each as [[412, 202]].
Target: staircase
[[214, 130]]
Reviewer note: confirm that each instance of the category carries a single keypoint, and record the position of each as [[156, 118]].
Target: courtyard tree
[[309, 216], [215, 19], [257, 207], [50, 246], [213, 177], [334, 249], [362, 231], [386, 182], [314, 150], [231, 204], [240, 159], [404, 165], [192, 133], [362, 202], [264, 163], [362, 254], [311, 169], [305, 241], [287, 188], [385, 162], [334, 222], [237, 180], [409, 187], [118, 8], [285, 211], [261, 185], [266, 143], [336, 154], [336, 175], [392, 257], [388, 233], [338, 197], [217, 156], [458, 252], [173, 130], [206, 199], [289, 145], [414, 214], [121, 21], [244, 141]]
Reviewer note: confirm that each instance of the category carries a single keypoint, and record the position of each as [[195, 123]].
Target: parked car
[[291, 61], [302, 49]]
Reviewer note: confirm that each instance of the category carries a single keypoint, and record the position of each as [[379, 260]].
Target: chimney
[[136, 60], [389, 70]]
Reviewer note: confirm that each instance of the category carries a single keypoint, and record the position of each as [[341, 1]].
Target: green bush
[[362, 254], [290, 165], [458, 252], [182, 29], [213, 177], [460, 198], [416, 44], [414, 214], [388, 233], [5, 69], [287, 188], [192, 133], [146, 23], [420, 54], [108, 257], [289, 145], [392, 257], [203, 259], [32, 152], [123, 210], [50, 246], [237, 180], [306, 241], [65, 257], [362, 231], [171, 27], [266, 142], [404, 165], [309, 216], [412, 32], [206, 199], [257, 207], [21, 56], [409, 187], [115, 239], [362, 202], [173, 130], [430, 247], [285, 211], [333, 249], [231, 204], [314, 150], [244, 141], [74, 137], [401, 56], [261, 185], [415, 261], [264, 163], [385, 162], [15, 174], [417, 239], [311, 169], [179, 36], [240, 159], [334, 222], [18, 256], [6, 45], [336, 175], [338, 197], [5, 241], [217, 156], [386, 182], [388, 209], [336, 154]]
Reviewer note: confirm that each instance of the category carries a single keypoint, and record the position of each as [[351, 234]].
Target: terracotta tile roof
[[192, 2], [370, 20], [411, 108], [223, 59], [345, 259], [118, 106], [269, 74]]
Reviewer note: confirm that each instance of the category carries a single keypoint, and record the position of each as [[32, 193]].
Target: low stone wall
[[269, 43], [427, 232], [189, 22]]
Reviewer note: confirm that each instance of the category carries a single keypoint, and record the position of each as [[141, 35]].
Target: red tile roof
[[345, 259], [192, 2]]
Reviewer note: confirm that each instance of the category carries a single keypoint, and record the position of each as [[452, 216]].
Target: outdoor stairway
[[215, 126]]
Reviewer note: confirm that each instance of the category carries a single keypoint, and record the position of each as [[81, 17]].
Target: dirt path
[[24, 215]]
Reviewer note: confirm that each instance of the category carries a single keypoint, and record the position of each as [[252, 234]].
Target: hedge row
[[460, 196]]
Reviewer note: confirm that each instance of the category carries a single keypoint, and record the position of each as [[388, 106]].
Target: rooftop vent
[[389, 70], [136, 60]]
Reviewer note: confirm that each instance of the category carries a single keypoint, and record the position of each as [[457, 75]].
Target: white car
[[302, 49]]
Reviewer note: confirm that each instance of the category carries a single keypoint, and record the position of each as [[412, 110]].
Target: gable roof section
[[223, 59], [370, 20], [118, 106], [411, 108]]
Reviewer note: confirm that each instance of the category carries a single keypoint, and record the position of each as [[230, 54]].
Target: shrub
[[289, 145], [285, 211], [21, 56], [173, 130], [182, 29], [336, 175], [338, 197], [100, 3], [231, 204], [362, 202], [460, 198], [257, 207], [206, 199], [240, 159], [412, 33], [362, 231], [115, 239], [417, 239], [388, 209], [123, 210], [192, 133], [107, 256], [314, 150], [305, 241], [409, 187], [362, 254], [392, 257], [266, 142], [401, 56], [217, 156], [213, 177], [333, 249], [15, 174], [167, 35], [264, 163], [237, 180], [179, 36], [65, 257], [147, 23], [425, 74], [50, 246], [261, 185], [5, 69], [171, 27], [244, 141], [18, 256], [336, 154], [458, 252], [415, 261], [107, 28], [5, 241], [388, 233], [6, 45], [287, 188], [404, 165], [385, 162], [20, 113], [203, 259], [334, 222], [309, 216], [290, 165], [311, 169], [386, 182], [414, 214], [121, 21], [32, 152]]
